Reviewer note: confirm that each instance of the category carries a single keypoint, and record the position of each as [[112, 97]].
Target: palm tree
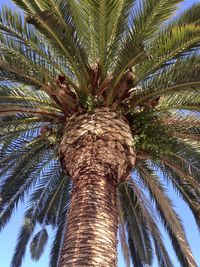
[[98, 100]]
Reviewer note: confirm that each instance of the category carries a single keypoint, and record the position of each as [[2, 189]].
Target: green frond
[[12, 93], [26, 129], [19, 180], [123, 241], [46, 205], [190, 15], [38, 244], [17, 137], [52, 208], [167, 214], [21, 4], [60, 229], [106, 28], [11, 25], [54, 21], [138, 233], [43, 194], [136, 259], [184, 159], [7, 110], [181, 101], [24, 236], [17, 72], [149, 216], [58, 241], [181, 75], [130, 54], [122, 14], [36, 65], [170, 44], [181, 127], [149, 15], [183, 188], [18, 124], [23, 136]]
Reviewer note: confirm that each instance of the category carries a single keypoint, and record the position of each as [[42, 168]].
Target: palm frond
[[185, 156], [43, 196], [38, 244], [185, 190], [149, 216], [119, 30], [17, 72], [138, 233], [54, 21], [168, 216], [11, 47], [52, 206], [11, 24], [124, 245], [58, 241], [6, 110], [106, 27], [170, 44], [61, 226], [149, 15], [190, 15], [25, 233], [52, 184], [181, 75], [181, 101], [12, 93], [18, 181]]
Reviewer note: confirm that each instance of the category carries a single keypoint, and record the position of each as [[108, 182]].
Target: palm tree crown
[[66, 57]]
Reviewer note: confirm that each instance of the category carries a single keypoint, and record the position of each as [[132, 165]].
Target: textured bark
[[90, 238], [97, 152]]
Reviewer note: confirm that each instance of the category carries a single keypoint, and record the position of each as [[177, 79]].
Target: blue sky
[[9, 234]]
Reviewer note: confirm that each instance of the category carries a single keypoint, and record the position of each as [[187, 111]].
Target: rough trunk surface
[[97, 152]]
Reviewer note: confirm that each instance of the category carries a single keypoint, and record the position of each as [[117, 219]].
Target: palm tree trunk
[[91, 236], [97, 152]]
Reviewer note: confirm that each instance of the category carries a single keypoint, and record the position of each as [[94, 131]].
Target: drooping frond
[[123, 241], [181, 164], [167, 214], [60, 228], [18, 180], [138, 232], [182, 187], [52, 203], [149, 216], [145, 211], [46, 205], [25, 233], [38, 244]]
